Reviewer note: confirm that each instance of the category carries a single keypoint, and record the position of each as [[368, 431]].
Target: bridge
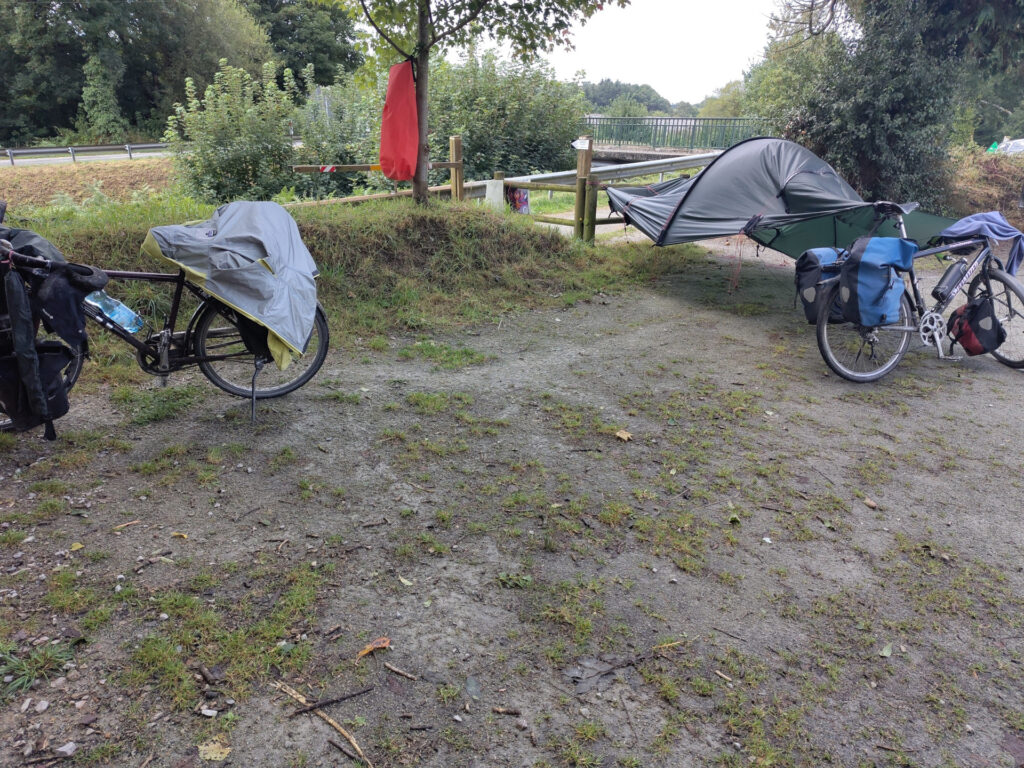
[[629, 139]]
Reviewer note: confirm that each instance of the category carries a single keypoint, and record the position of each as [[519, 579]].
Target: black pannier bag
[[32, 388], [975, 327], [812, 267], [17, 399]]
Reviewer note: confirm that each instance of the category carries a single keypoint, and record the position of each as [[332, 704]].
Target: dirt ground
[[777, 567]]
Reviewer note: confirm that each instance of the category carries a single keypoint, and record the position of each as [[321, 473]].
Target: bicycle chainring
[[151, 364], [147, 363], [932, 329]]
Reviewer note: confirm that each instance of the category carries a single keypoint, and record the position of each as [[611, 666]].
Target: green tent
[[776, 192]]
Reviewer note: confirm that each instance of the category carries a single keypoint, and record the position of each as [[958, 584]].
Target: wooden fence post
[[584, 156], [590, 214], [455, 155]]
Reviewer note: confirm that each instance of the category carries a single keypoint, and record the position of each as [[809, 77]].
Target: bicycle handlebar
[[7, 252]]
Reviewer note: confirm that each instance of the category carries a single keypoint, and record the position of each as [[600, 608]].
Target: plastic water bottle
[[115, 311]]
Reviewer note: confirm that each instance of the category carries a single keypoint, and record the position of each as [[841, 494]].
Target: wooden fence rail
[[453, 164]]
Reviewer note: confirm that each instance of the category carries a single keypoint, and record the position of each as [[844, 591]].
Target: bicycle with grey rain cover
[[867, 353], [214, 339]]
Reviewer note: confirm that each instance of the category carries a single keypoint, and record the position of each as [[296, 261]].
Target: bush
[[234, 143], [237, 142]]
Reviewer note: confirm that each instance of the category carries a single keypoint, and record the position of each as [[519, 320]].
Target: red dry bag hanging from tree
[[399, 133]]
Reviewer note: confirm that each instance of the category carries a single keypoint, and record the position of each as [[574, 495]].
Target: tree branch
[[470, 17], [380, 31], [996, 106]]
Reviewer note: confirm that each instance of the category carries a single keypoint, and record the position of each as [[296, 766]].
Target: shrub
[[237, 142], [234, 143]]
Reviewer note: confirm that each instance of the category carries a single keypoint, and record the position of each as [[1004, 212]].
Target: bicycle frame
[[156, 357], [918, 306], [928, 323]]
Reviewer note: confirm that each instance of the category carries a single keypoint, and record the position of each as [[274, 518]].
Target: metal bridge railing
[[674, 132]]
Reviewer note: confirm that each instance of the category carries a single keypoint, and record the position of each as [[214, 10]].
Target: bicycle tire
[[1008, 299], [217, 334], [862, 354], [71, 373]]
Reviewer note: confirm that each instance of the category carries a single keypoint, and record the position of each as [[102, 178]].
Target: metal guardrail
[[674, 132], [11, 152]]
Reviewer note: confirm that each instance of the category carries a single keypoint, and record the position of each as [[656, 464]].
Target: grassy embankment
[[386, 267]]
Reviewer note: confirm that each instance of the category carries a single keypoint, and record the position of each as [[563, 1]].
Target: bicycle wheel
[[862, 354], [217, 334], [1008, 299], [71, 373]]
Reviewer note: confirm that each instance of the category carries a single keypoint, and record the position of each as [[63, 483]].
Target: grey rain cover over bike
[[778, 193], [250, 256]]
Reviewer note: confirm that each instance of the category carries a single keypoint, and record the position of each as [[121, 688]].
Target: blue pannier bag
[[869, 284], [814, 266]]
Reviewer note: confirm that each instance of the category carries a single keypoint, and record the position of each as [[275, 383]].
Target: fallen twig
[[887, 748], [730, 634], [285, 688], [148, 760], [328, 702], [401, 672], [348, 752], [629, 719], [723, 676], [120, 527], [506, 711], [830, 480], [375, 523], [245, 514]]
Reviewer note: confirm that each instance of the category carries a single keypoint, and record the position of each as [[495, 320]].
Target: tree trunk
[[419, 180]]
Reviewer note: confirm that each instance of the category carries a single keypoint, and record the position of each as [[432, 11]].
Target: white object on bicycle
[[115, 311]]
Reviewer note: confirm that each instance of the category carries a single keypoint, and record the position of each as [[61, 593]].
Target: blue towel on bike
[[993, 225]]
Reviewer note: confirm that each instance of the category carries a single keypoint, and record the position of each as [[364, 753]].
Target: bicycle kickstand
[[939, 344], [260, 362]]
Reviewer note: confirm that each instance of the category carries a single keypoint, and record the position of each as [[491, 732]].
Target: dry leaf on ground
[[378, 644]]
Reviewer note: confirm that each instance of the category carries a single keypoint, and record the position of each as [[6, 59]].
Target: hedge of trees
[[107, 70]]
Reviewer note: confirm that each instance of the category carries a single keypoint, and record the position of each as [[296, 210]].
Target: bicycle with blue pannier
[[868, 306]]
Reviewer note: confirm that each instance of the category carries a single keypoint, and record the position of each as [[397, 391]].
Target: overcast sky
[[684, 49]]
